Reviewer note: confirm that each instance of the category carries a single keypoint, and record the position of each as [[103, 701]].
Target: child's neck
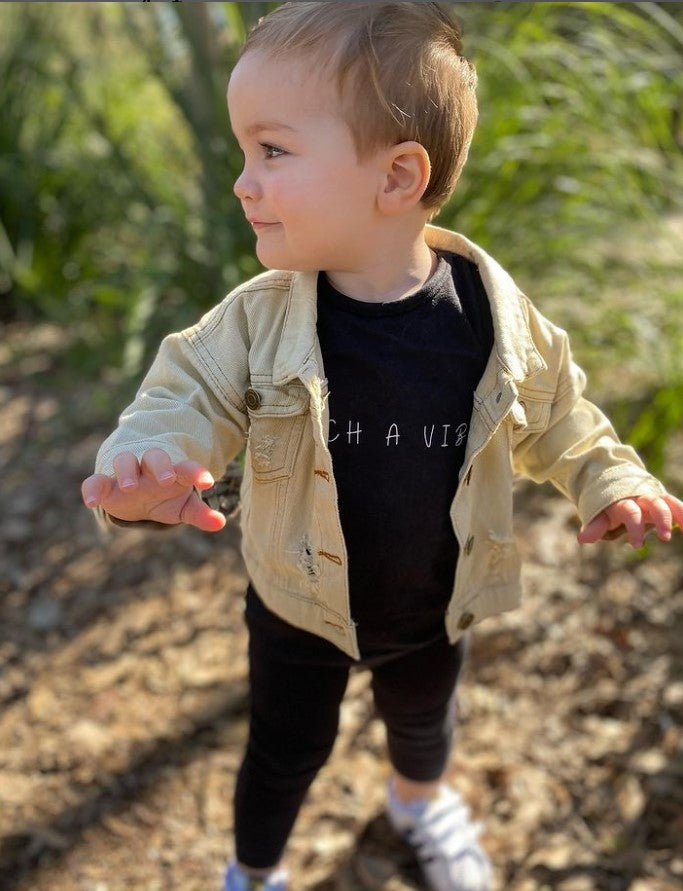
[[390, 275]]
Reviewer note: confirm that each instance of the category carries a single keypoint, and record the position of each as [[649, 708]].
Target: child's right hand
[[154, 489]]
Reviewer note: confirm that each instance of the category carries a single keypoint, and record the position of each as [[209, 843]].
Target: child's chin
[[271, 259], [280, 260]]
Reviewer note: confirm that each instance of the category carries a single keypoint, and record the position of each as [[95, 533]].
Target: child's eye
[[271, 151]]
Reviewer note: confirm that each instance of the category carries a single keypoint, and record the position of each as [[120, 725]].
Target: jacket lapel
[[295, 356]]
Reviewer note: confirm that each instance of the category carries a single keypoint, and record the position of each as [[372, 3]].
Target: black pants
[[297, 683]]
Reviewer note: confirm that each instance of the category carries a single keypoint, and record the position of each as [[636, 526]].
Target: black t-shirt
[[401, 380]]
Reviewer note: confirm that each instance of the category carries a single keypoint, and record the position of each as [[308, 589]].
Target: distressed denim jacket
[[251, 372]]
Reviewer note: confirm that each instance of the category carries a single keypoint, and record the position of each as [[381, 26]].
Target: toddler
[[388, 379]]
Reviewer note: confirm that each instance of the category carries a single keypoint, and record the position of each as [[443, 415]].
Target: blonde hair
[[399, 72]]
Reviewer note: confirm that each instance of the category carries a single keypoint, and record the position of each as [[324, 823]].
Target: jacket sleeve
[[568, 440], [186, 405]]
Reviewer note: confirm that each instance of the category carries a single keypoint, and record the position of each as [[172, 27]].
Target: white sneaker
[[237, 880], [445, 840]]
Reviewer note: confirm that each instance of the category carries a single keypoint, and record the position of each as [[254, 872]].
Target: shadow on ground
[[123, 695]]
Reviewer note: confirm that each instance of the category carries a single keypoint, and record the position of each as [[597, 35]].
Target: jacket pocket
[[277, 417], [529, 414]]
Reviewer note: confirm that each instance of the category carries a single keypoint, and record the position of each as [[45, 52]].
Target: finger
[[594, 530], [196, 513], [192, 473], [95, 489], [630, 514], [675, 505], [127, 471], [157, 464], [657, 512]]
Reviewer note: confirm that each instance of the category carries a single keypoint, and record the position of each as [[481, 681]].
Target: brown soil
[[124, 696]]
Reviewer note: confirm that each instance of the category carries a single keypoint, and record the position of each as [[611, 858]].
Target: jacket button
[[252, 398], [465, 621], [469, 544]]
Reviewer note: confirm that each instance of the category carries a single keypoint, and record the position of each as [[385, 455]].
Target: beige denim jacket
[[251, 372]]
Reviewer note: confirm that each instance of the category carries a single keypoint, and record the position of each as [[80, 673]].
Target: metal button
[[465, 621], [252, 398], [469, 544]]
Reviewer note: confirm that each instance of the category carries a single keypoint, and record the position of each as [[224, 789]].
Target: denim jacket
[[250, 372]]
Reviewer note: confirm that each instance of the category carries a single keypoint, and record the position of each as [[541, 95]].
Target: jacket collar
[[513, 343], [295, 357]]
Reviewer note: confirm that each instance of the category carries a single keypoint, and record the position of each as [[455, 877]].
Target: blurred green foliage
[[117, 218], [116, 169], [580, 117]]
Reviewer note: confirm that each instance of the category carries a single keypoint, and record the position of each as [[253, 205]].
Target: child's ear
[[406, 175]]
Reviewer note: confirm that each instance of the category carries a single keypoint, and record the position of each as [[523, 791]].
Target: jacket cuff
[[614, 484]]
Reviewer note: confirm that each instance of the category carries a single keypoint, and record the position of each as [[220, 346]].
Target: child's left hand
[[636, 515]]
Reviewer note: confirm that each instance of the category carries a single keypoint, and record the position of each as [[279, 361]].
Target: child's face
[[309, 199]]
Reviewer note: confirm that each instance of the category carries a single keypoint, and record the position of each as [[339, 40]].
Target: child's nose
[[245, 186]]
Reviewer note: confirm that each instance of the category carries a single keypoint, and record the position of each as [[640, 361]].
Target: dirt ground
[[122, 683]]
